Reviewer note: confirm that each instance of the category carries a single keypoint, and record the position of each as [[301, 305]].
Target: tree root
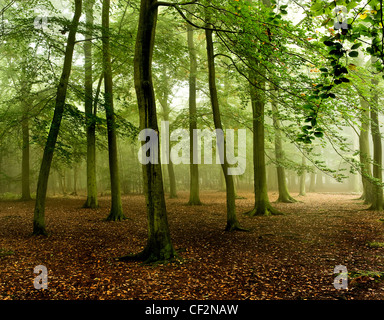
[[235, 227], [288, 199], [266, 210]]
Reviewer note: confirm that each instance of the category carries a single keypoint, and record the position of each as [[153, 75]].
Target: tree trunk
[[303, 175], [365, 153], [262, 204], [25, 169], [284, 195], [232, 222], [39, 212], [194, 187], [377, 195], [92, 201], [319, 181], [159, 245], [116, 212], [163, 98], [312, 183]]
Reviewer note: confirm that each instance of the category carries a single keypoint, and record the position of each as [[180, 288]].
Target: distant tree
[[194, 196]]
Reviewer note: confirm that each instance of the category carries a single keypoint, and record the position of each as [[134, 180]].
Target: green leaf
[[356, 46], [354, 54], [329, 43]]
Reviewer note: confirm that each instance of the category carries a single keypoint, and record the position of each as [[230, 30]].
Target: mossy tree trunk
[[39, 227], [262, 204], [116, 212], [159, 245]]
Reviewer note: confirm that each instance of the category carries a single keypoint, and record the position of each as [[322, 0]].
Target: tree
[[364, 152], [377, 195], [90, 113], [39, 212], [159, 246], [164, 102], [25, 167], [284, 195], [116, 212], [302, 175], [232, 222], [194, 196]]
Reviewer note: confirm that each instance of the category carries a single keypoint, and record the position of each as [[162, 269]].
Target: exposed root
[[288, 199], [267, 210], [148, 256], [235, 227]]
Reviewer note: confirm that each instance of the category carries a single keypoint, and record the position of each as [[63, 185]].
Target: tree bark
[[92, 201], [194, 187], [232, 222], [262, 204], [159, 245], [39, 227], [116, 212], [365, 153], [377, 195]]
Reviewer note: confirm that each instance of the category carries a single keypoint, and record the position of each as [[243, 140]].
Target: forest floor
[[291, 256]]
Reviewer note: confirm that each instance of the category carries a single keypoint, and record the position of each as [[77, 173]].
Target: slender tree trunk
[[159, 245], [166, 110], [25, 168], [319, 181], [232, 222], [75, 175], [194, 187], [116, 213], [92, 201], [377, 201], [302, 191], [284, 195], [39, 227], [312, 184]]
